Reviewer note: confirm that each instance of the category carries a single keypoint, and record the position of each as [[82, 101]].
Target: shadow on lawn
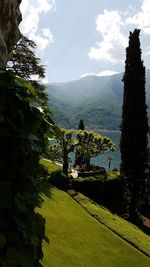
[[107, 193], [45, 189]]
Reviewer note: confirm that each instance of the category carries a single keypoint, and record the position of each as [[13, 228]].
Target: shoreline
[[109, 131], [103, 130]]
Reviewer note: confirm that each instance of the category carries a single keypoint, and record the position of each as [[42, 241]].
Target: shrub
[[24, 123], [60, 180], [105, 192], [43, 172]]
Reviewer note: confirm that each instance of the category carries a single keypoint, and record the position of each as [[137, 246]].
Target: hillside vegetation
[[96, 100]]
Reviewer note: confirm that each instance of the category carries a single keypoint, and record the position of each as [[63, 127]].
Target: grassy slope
[[126, 230], [78, 240], [51, 166]]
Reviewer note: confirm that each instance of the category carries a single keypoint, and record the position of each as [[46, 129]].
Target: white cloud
[[45, 80], [31, 12], [47, 33], [46, 5], [87, 74], [113, 43], [107, 73], [142, 18], [102, 73]]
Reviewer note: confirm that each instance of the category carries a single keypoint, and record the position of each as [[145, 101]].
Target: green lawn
[[113, 174], [76, 239], [123, 228], [51, 166]]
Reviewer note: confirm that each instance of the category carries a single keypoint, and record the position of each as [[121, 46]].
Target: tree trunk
[[65, 161], [88, 164]]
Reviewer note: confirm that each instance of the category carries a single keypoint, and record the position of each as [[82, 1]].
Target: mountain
[[96, 100]]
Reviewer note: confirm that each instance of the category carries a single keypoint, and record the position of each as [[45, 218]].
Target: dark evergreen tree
[[81, 125], [134, 128], [78, 155]]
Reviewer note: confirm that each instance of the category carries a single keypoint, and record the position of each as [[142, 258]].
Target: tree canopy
[[90, 144], [67, 144], [24, 61], [25, 64]]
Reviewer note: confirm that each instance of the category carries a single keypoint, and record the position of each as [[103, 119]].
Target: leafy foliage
[[24, 62], [87, 145], [134, 128], [55, 153], [90, 144], [24, 123], [60, 180]]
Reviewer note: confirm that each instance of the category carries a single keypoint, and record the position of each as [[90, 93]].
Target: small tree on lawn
[[55, 153], [91, 144], [67, 143]]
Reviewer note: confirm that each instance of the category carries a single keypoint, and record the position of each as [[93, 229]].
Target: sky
[[76, 38]]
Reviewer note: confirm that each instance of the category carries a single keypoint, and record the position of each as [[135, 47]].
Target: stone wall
[[10, 17]]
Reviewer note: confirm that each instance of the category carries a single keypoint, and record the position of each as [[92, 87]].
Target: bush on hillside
[[25, 124], [60, 180], [43, 172], [105, 192]]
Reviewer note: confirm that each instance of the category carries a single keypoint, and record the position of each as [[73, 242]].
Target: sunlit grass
[[113, 175], [126, 230], [76, 239], [51, 166]]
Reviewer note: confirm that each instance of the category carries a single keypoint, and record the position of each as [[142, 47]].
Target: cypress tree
[[81, 125], [134, 128], [78, 155]]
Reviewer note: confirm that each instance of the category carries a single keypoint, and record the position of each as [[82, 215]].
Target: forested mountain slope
[[96, 100]]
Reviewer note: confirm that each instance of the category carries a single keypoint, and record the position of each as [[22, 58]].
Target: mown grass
[[113, 175], [126, 230], [76, 239], [51, 166]]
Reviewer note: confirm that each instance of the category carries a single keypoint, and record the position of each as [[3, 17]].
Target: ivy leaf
[[57, 131], [5, 195], [14, 258], [3, 241], [26, 84]]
